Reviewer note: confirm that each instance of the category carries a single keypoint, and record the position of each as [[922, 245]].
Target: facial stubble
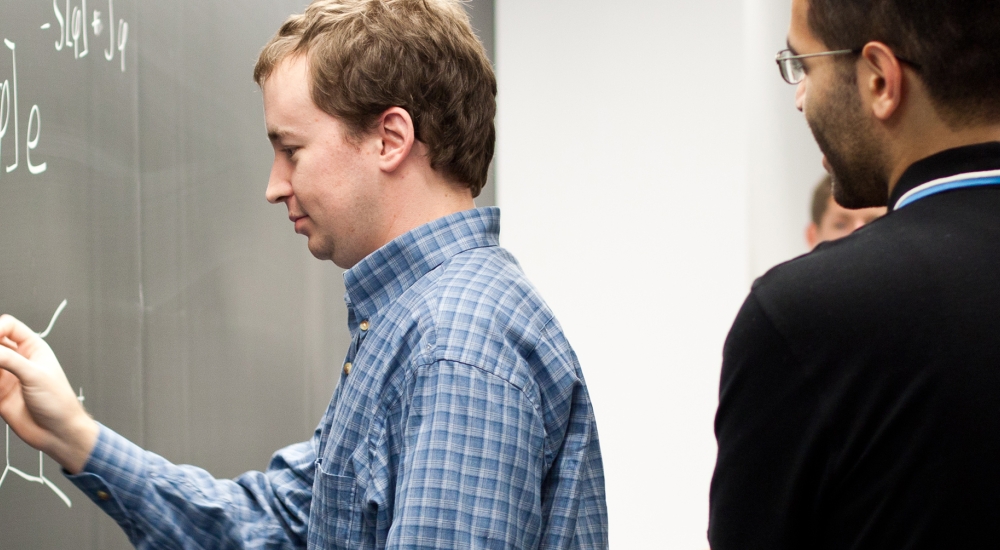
[[854, 153]]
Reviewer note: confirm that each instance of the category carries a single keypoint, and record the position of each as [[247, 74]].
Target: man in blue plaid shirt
[[461, 419]]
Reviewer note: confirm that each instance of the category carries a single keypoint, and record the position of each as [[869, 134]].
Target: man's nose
[[279, 187], [800, 95]]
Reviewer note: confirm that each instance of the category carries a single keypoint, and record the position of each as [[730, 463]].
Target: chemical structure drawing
[[40, 478]]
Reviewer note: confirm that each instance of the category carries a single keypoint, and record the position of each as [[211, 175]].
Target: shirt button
[[364, 325], [103, 495], [347, 368]]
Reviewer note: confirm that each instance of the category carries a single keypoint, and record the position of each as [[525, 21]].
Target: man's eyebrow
[[277, 134], [788, 42]]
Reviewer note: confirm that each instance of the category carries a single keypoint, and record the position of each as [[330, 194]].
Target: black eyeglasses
[[793, 71]]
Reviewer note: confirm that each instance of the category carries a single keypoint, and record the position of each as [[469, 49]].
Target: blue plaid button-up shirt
[[464, 422]]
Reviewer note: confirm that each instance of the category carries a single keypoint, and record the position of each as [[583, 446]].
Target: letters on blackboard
[[74, 30], [8, 91], [75, 25]]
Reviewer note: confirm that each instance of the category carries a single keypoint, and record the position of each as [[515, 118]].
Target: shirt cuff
[[114, 477]]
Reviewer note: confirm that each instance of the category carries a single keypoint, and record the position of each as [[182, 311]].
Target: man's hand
[[37, 401]]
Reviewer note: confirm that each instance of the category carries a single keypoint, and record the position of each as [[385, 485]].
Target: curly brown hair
[[366, 56]]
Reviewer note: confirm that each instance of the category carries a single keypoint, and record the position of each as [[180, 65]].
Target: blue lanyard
[[961, 181]]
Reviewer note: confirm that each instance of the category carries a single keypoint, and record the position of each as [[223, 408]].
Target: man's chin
[[318, 251], [856, 197], [342, 261]]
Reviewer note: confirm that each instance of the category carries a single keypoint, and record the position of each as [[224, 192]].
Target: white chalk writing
[[9, 92], [75, 24]]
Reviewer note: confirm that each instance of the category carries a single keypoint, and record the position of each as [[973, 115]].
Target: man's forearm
[[73, 449]]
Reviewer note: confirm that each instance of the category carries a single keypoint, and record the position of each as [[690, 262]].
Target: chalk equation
[[40, 478], [8, 92], [75, 25]]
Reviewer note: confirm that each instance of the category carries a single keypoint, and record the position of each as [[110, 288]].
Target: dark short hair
[[955, 44], [821, 199], [366, 56]]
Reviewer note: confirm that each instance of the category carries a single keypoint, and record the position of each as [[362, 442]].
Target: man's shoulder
[[489, 273], [485, 290], [479, 292], [850, 282], [479, 308], [873, 257]]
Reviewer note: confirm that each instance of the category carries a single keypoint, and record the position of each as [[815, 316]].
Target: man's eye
[[290, 151]]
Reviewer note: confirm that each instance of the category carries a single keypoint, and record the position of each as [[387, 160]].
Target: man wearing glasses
[[860, 395]]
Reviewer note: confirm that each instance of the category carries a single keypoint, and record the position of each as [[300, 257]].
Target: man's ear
[[812, 235], [397, 135], [880, 80]]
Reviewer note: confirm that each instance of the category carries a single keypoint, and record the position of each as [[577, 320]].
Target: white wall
[[784, 161], [650, 163]]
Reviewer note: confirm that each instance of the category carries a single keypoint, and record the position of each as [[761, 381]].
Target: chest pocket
[[334, 516]]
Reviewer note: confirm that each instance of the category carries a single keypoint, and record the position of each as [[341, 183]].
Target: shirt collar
[[971, 158], [387, 273]]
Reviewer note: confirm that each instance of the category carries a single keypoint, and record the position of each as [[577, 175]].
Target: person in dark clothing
[[860, 394]]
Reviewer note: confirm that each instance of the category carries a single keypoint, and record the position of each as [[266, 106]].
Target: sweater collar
[[982, 157]]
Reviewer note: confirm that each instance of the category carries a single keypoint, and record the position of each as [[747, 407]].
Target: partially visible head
[[831, 221], [941, 48], [854, 154], [954, 44], [367, 56]]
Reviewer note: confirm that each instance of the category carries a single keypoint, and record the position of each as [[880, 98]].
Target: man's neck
[[423, 209], [931, 136], [421, 198]]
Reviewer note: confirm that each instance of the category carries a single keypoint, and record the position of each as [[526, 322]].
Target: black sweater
[[860, 396]]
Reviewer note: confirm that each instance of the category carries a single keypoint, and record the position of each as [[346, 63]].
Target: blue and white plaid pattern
[[464, 423]]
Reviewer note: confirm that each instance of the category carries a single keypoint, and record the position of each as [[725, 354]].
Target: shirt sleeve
[[767, 426], [472, 463], [161, 505]]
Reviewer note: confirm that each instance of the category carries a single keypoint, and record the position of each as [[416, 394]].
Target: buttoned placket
[[357, 338]]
